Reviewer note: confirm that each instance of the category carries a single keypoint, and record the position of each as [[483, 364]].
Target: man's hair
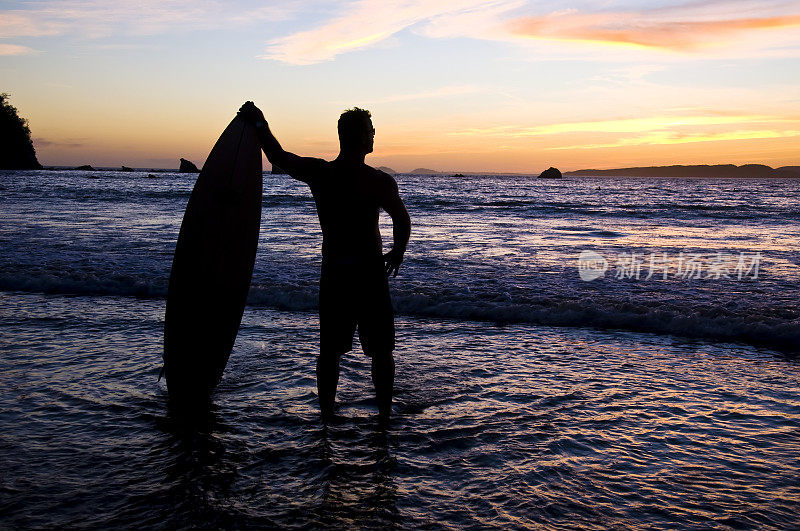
[[352, 124]]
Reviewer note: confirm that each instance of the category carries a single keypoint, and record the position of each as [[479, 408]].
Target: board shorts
[[355, 297]]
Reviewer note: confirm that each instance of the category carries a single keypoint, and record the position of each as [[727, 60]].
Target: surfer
[[354, 288]]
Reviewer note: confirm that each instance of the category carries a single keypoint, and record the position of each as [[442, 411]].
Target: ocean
[[584, 352]]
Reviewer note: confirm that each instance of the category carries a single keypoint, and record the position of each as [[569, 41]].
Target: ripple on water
[[508, 426]]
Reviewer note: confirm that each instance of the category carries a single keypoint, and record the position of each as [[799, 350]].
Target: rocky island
[[550, 173], [187, 166]]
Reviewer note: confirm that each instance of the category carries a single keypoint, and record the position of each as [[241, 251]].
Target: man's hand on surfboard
[[251, 114], [393, 259]]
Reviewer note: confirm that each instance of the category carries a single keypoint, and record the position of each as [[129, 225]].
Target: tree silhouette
[[16, 148]]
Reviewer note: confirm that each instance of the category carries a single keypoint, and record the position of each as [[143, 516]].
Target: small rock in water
[[550, 173], [188, 167]]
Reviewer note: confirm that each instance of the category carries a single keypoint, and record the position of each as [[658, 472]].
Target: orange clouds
[[628, 29], [671, 138], [655, 130], [630, 125]]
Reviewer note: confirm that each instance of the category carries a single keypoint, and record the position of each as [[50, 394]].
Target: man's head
[[355, 130]]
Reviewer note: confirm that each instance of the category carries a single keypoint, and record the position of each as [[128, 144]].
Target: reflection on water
[[199, 471], [344, 473], [513, 426]]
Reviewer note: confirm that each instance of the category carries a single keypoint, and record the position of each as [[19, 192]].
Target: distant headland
[[700, 170], [689, 171], [16, 149]]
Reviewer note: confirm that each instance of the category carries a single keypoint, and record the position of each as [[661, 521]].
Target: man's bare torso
[[349, 199]]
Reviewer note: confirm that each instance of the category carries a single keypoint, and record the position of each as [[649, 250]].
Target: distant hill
[[387, 170], [793, 169], [423, 171], [702, 170]]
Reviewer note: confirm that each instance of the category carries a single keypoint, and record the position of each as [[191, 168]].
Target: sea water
[[590, 352]]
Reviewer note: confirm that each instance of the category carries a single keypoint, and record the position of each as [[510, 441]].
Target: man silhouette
[[354, 288]]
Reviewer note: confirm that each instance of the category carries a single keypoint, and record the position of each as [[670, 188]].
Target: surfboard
[[213, 265]]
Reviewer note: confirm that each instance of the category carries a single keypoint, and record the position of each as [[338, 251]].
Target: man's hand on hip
[[392, 260]]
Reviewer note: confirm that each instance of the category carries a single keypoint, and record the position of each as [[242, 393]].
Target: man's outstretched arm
[[401, 229], [301, 168]]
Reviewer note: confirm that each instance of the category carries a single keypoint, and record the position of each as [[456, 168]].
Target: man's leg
[[327, 381], [337, 324], [383, 380], [376, 333]]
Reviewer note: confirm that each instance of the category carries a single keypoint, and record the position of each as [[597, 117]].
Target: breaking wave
[[681, 317]]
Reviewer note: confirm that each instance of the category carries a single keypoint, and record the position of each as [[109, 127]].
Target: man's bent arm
[[401, 224], [401, 229]]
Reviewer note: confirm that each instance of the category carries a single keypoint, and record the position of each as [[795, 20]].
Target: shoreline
[[577, 174]]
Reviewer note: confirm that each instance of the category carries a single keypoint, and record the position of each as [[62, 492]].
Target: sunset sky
[[467, 85]]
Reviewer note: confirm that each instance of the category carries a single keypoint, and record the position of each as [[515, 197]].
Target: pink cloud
[[626, 28], [15, 49]]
